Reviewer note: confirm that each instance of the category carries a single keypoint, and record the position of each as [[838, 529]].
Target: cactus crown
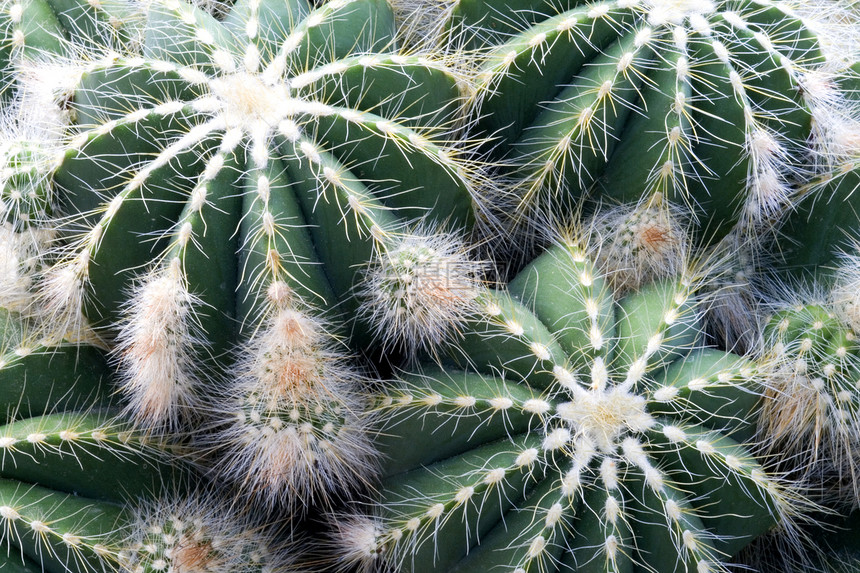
[[587, 430], [712, 104]]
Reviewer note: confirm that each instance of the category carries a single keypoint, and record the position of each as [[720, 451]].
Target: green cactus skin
[[41, 375], [823, 227], [26, 194], [587, 432], [34, 29], [65, 481], [825, 224], [815, 410], [707, 103]]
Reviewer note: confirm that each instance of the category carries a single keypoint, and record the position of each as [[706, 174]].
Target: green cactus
[[823, 227], [714, 105], [200, 533], [813, 416], [51, 531], [67, 476], [287, 429], [81, 491], [586, 430], [267, 159], [814, 273], [25, 184], [281, 143]]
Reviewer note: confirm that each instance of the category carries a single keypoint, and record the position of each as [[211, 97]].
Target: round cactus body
[[814, 414], [710, 104], [267, 158], [585, 432], [294, 139]]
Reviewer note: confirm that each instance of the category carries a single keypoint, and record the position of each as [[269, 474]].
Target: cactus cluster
[[491, 285]]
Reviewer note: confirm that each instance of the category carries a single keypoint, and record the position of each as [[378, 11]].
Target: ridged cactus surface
[[824, 226], [69, 465], [585, 431], [31, 30], [717, 106], [292, 137], [83, 491]]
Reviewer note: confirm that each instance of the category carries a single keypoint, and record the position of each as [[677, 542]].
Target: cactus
[[281, 143], [812, 418], [49, 458], [417, 295], [31, 30], [823, 228], [267, 159], [55, 532], [272, 131], [812, 338], [288, 430], [812, 332], [69, 466], [717, 106], [82, 492], [572, 428], [237, 197], [198, 533]]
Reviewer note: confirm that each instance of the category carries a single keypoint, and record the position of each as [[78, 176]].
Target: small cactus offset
[[587, 431], [717, 106], [288, 429]]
